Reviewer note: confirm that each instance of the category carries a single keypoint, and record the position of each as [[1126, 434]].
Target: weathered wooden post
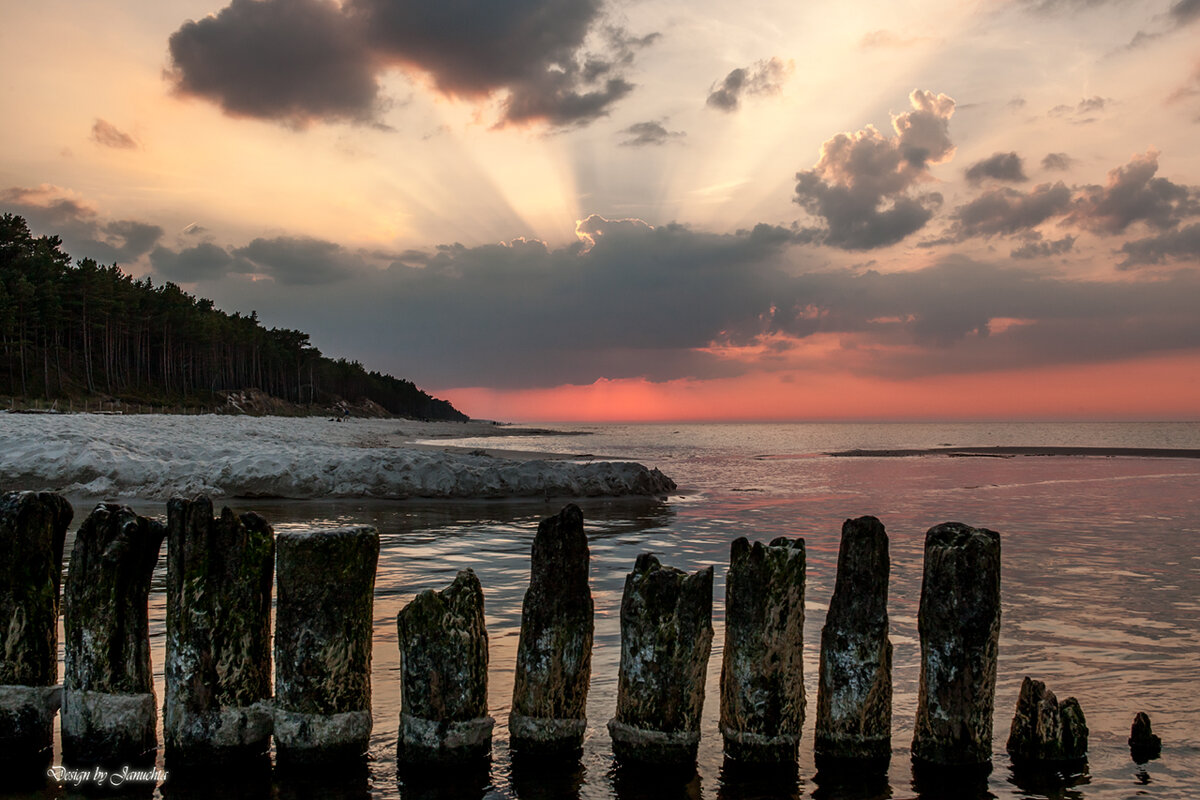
[[218, 654], [109, 713], [762, 671], [854, 693], [554, 653], [443, 676], [326, 583], [1045, 732], [959, 625], [33, 527], [666, 637]]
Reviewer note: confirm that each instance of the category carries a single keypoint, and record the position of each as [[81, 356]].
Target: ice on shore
[[155, 457]]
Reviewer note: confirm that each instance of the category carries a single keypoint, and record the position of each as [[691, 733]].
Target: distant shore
[[1013, 452]]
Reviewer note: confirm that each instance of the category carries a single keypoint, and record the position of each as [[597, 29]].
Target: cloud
[[761, 78], [641, 134], [1057, 161], [1178, 244], [1004, 211], [635, 301], [302, 61], [300, 260], [293, 61], [1035, 247], [205, 261], [863, 185], [1132, 195], [1185, 12], [107, 134], [998, 166], [51, 210]]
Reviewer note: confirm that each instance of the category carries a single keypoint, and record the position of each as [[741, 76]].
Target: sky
[[661, 210]]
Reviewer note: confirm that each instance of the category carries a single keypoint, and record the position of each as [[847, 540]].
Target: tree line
[[70, 329]]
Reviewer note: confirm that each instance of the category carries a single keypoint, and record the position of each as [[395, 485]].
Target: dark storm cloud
[[107, 134], [762, 77], [203, 262], [299, 61], [300, 260], [634, 301], [1133, 194], [1057, 161], [1182, 244], [1036, 247], [641, 134], [1005, 211], [83, 232], [295, 61], [863, 186], [998, 166]]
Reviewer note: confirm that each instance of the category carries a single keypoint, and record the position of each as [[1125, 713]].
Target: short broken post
[[1144, 744], [554, 653], [1045, 732], [666, 637], [443, 676], [854, 693], [218, 653], [762, 671], [33, 527], [323, 631], [959, 625], [109, 713]]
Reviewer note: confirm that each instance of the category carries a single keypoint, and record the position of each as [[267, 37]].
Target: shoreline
[[1002, 451]]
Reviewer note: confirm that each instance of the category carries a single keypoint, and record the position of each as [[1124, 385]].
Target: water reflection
[[458, 782], [535, 778], [631, 781], [936, 782], [852, 780], [759, 781], [1053, 782]]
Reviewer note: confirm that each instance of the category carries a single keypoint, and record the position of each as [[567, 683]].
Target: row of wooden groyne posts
[[219, 709]]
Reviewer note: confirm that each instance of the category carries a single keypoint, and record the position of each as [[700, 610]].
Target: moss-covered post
[[554, 654], [109, 713], [959, 625], [323, 630], [666, 637], [218, 661], [33, 527], [443, 676], [762, 672], [854, 692]]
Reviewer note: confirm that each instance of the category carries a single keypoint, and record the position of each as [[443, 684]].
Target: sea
[[1100, 594]]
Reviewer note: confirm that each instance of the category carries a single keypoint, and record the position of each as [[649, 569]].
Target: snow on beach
[[155, 457]]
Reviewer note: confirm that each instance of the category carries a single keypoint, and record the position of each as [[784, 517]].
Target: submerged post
[[1045, 732], [443, 676], [33, 527], [762, 672], [109, 713], [666, 636], [218, 654], [554, 653], [959, 625], [326, 584], [854, 693]]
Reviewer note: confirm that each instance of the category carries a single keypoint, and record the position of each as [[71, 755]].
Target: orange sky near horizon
[[1165, 388]]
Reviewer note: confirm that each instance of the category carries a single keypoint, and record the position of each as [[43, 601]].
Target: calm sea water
[[1101, 590]]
